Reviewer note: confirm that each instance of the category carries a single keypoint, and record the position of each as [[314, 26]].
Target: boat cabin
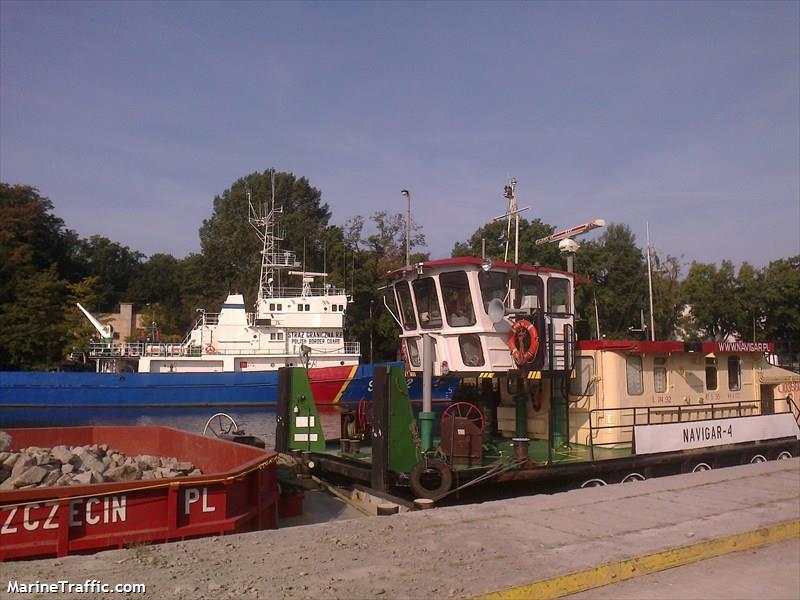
[[485, 316]]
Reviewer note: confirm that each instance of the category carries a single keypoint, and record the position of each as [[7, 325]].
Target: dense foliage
[[46, 268]]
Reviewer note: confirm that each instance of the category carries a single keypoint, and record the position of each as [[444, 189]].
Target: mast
[[510, 192], [263, 218], [650, 284]]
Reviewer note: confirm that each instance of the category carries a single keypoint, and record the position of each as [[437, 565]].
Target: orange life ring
[[516, 341], [210, 349]]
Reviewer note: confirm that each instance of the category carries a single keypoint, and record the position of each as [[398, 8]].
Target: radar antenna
[[566, 244]]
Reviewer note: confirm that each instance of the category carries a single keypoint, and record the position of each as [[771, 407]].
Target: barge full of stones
[[82, 489]]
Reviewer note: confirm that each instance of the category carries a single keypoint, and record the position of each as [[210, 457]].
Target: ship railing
[[137, 349], [296, 292], [627, 417]]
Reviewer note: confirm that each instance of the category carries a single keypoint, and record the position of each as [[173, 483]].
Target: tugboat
[[537, 404]]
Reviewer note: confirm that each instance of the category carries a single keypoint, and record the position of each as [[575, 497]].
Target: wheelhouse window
[[457, 299], [660, 374], [711, 374], [471, 350], [530, 294], [558, 295], [493, 285], [406, 307], [734, 373], [633, 373], [583, 382], [413, 351], [428, 310]]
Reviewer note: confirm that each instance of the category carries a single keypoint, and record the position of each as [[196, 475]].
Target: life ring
[[430, 479], [210, 349], [517, 345]]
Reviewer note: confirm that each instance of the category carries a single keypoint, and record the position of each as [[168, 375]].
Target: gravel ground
[[448, 552]]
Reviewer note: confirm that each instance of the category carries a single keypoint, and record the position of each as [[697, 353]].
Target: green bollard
[[426, 429]]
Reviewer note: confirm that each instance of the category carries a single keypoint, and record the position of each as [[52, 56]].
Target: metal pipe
[[427, 372], [426, 416]]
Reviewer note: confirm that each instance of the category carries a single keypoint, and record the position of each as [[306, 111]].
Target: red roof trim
[[471, 260], [646, 347]]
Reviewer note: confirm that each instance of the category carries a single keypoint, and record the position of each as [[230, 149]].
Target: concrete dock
[[531, 547]]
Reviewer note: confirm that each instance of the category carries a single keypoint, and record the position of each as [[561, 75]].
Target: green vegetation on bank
[[46, 268]]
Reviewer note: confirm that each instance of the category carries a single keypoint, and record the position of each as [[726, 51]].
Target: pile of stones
[[80, 465]]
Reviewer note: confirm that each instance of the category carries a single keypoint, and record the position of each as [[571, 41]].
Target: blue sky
[[131, 117]]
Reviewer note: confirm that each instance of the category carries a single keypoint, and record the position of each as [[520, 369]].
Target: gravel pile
[[80, 465]]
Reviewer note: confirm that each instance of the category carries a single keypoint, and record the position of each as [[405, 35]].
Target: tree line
[[45, 268]]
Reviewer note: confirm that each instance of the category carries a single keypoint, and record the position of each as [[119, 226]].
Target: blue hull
[[33, 398]]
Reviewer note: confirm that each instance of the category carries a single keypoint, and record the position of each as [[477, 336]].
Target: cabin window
[[471, 350], [406, 308], [428, 311], [300, 307], [276, 336], [457, 299], [280, 306], [583, 382], [734, 373], [558, 295], [413, 351], [711, 374], [272, 306], [660, 374], [633, 372], [530, 294], [493, 285]]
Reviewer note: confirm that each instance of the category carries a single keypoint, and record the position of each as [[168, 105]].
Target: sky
[[132, 116]]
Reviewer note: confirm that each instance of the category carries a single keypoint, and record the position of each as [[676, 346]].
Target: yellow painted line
[[345, 384], [580, 581], [535, 375]]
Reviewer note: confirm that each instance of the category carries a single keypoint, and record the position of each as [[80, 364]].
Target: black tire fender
[[426, 467]]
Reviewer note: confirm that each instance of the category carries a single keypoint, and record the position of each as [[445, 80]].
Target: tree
[[33, 326], [668, 301], [232, 248], [614, 266], [779, 301], [114, 266], [494, 235], [710, 294], [372, 256]]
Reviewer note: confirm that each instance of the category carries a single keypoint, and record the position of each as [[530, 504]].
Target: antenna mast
[[263, 218], [510, 192]]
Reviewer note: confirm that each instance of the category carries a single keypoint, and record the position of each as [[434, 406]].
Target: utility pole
[[408, 225]]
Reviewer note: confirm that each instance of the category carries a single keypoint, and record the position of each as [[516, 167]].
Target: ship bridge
[[485, 316]]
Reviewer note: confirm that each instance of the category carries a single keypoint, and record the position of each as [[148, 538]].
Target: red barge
[[237, 492]]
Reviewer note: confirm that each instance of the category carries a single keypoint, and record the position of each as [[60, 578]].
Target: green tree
[[614, 266], [372, 256], [114, 266], [230, 245], [33, 327], [779, 301], [494, 236], [668, 303], [710, 294]]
